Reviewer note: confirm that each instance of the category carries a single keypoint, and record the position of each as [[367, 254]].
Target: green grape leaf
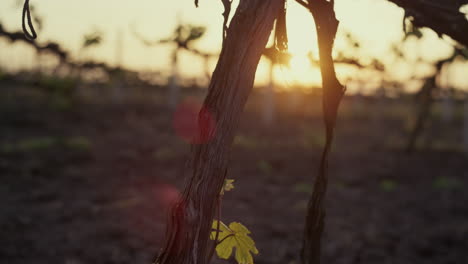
[[234, 236], [227, 186]]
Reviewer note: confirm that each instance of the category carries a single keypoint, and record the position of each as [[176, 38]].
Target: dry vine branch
[[57, 50], [426, 99], [184, 46], [326, 26], [187, 238], [49, 47], [442, 16], [227, 11]]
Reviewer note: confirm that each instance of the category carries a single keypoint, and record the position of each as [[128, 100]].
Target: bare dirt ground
[[92, 183]]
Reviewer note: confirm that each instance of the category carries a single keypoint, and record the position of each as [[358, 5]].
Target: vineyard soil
[[91, 183]]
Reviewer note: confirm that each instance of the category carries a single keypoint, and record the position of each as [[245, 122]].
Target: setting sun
[[300, 63]]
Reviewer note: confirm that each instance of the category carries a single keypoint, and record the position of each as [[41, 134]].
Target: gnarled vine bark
[[187, 238]]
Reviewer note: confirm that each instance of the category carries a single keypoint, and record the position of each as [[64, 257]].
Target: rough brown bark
[[187, 238]]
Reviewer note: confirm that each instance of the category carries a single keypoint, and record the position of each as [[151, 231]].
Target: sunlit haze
[[376, 24]]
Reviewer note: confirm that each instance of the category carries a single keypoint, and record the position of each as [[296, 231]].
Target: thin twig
[[227, 11], [221, 241], [210, 256], [302, 3]]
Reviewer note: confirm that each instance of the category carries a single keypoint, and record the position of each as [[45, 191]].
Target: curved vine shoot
[[326, 25]]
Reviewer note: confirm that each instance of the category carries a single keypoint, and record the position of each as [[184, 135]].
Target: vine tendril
[[27, 16]]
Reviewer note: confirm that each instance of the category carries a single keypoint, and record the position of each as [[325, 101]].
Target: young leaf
[[234, 236], [227, 186]]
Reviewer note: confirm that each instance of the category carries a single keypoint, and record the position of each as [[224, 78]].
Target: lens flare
[[194, 123]]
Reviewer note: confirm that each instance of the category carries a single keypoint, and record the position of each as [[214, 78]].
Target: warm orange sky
[[376, 23]]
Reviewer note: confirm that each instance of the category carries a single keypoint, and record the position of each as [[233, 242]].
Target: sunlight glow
[[302, 71], [376, 24]]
